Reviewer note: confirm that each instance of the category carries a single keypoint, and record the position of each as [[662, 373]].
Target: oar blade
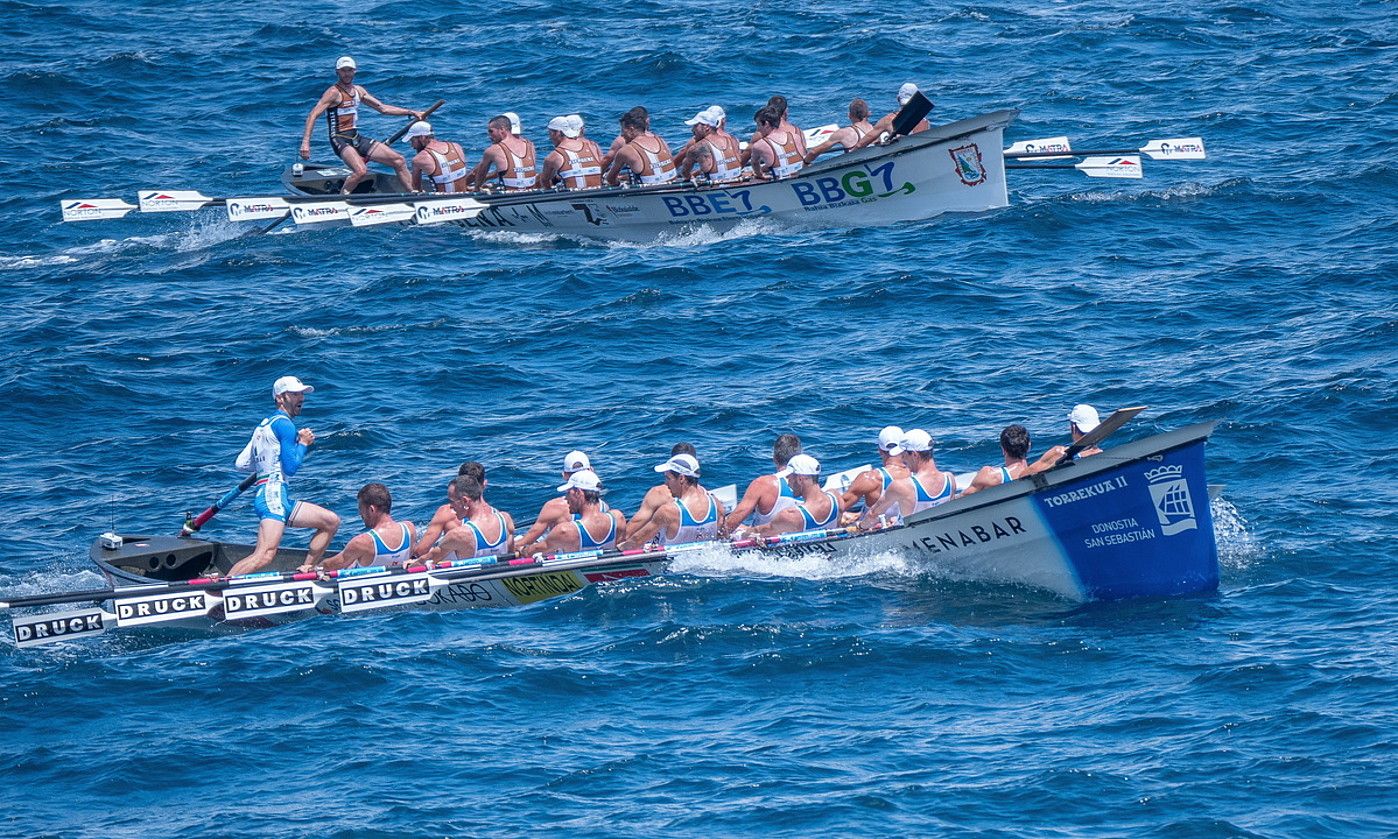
[[381, 592], [840, 481], [171, 200], [246, 602], [37, 630], [381, 214], [1038, 147], [1121, 166], [816, 136], [257, 209], [94, 209], [1179, 148], [162, 608], [320, 212], [441, 212]]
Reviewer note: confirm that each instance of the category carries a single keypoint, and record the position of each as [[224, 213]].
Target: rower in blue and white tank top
[[886, 477], [926, 500], [691, 529], [1005, 476], [385, 556], [811, 522], [484, 547], [785, 498], [585, 540]]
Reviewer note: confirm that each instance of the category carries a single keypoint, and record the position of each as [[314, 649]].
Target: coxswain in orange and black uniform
[[439, 166], [340, 103], [509, 158], [646, 155], [574, 163]]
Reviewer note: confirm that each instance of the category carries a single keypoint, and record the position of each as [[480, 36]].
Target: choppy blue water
[[731, 699]]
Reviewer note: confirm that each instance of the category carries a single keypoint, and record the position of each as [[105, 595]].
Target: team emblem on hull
[[1173, 503], [969, 166]]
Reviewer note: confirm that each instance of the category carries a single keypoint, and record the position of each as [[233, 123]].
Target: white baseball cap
[[576, 460], [1084, 417], [290, 384], [717, 113], [421, 128], [514, 121], [803, 464], [890, 437], [564, 125], [576, 121], [705, 117], [906, 92], [681, 464], [585, 480], [916, 440], [346, 61]]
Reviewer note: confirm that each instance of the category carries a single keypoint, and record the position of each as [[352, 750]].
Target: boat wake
[[202, 233], [719, 561], [1238, 549]]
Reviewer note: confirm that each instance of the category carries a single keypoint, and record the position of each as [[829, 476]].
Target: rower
[[1081, 420], [555, 511], [372, 546], [776, 153], [767, 495], [713, 152], [446, 518], [885, 124], [591, 525], [340, 103], [925, 487], [574, 163], [645, 155], [847, 138], [814, 509], [640, 113], [659, 495], [484, 531], [275, 452], [510, 156], [438, 166], [1014, 447], [868, 486], [692, 515], [778, 104]]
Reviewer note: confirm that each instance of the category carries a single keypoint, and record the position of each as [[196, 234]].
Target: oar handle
[[192, 526], [404, 130]]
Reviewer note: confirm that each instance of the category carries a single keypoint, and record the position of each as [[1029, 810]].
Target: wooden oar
[[404, 130], [192, 526]]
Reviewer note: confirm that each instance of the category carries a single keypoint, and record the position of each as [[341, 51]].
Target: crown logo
[[1164, 473]]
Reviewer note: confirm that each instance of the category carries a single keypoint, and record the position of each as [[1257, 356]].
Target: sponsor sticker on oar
[[441, 212], [34, 630], [382, 592], [381, 214], [172, 200], [253, 209], [260, 601], [1037, 147], [320, 212], [162, 608], [94, 209], [1179, 148]]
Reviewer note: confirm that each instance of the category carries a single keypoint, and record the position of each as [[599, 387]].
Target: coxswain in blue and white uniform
[[591, 527], [1014, 446], [438, 166], [386, 543], [713, 153], [815, 508], [509, 158], [868, 486], [340, 104], [574, 163], [777, 153], [484, 530], [767, 495], [645, 155], [275, 453], [845, 139], [925, 487], [692, 515]]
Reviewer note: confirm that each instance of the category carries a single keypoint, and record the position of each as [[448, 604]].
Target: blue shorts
[[273, 501]]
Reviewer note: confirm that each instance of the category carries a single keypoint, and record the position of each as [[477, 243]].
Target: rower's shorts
[[273, 501], [352, 139]]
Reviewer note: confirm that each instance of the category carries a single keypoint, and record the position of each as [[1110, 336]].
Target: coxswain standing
[[372, 547], [574, 163], [815, 508], [767, 495], [847, 138], [693, 515], [713, 152], [438, 166], [484, 530], [510, 156], [593, 526], [777, 152], [340, 103], [275, 453], [645, 155]]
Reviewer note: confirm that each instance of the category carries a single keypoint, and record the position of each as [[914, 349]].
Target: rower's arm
[[622, 158], [327, 99], [543, 522], [837, 138], [746, 505], [423, 166], [462, 541], [391, 110], [479, 174], [433, 530], [509, 529], [293, 451], [357, 550], [885, 124], [617, 145], [1048, 460], [549, 173], [987, 477], [642, 534], [888, 501], [861, 487]]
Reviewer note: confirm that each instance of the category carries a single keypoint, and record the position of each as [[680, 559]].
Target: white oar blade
[[163, 608], [381, 214], [320, 212], [254, 209], [171, 200], [241, 603], [1040, 146], [361, 595], [36, 630], [726, 495], [840, 481], [94, 209], [1180, 148], [1124, 166], [441, 212], [816, 136]]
